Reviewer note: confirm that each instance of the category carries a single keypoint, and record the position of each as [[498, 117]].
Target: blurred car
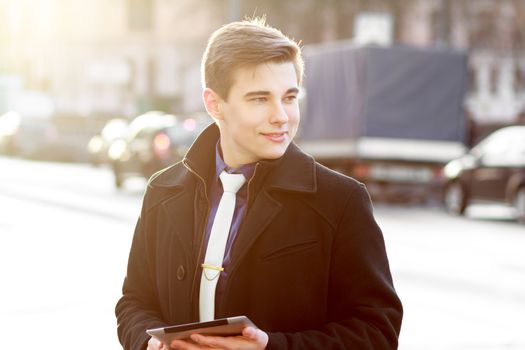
[[153, 142], [53, 138], [9, 123], [34, 138], [99, 144], [73, 134], [492, 171]]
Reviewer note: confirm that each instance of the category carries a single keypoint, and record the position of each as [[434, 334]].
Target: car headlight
[[117, 149], [95, 144], [453, 169]]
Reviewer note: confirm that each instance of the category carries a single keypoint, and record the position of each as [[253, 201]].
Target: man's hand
[[154, 344], [251, 339]]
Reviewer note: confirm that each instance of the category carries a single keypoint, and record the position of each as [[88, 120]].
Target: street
[[65, 233]]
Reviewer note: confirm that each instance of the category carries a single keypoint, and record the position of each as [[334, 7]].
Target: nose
[[279, 114]]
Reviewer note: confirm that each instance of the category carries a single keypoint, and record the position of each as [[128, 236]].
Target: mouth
[[275, 136]]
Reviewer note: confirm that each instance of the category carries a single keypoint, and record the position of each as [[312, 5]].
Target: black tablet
[[223, 327]]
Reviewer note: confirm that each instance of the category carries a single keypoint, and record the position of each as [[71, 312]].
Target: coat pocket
[[294, 248]]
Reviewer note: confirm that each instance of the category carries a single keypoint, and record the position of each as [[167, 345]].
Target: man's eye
[[290, 98], [259, 99]]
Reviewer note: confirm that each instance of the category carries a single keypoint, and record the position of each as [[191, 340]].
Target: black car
[[492, 171], [153, 142]]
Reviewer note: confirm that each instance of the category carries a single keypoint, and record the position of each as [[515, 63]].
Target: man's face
[[261, 116]]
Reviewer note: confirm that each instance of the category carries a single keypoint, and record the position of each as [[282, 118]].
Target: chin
[[274, 154]]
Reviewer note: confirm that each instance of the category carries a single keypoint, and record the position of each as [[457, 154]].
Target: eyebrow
[[267, 93]]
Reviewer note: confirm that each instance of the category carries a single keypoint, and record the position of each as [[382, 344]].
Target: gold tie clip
[[212, 267]]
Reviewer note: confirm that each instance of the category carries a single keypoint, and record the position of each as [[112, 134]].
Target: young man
[[302, 255]]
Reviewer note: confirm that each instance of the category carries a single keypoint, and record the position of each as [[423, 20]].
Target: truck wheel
[[455, 198], [519, 204]]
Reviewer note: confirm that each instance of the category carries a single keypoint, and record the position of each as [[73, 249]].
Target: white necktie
[[212, 267]]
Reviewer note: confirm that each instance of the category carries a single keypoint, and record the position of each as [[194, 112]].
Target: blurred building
[[117, 57], [123, 57], [494, 34]]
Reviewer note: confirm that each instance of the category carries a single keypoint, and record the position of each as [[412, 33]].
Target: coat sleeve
[[364, 310], [138, 308]]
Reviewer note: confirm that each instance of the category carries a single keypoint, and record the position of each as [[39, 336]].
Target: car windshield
[[505, 146], [147, 123]]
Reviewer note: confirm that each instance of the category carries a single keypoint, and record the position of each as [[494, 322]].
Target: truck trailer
[[390, 117]]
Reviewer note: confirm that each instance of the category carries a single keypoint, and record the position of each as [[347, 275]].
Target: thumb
[[256, 335], [250, 332]]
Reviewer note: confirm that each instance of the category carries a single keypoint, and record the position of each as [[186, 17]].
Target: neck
[[228, 159]]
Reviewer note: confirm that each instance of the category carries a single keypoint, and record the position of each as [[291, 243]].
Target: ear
[[212, 102]]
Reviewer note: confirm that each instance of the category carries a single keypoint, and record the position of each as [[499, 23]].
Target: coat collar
[[294, 171]]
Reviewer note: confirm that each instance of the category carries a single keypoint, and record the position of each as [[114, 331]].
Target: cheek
[[293, 116], [241, 122], [244, 130]]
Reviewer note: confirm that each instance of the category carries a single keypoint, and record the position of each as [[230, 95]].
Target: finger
[[209, 341], [256, 335], [184, 345], [154, 344], [250, 333], [200, 339]]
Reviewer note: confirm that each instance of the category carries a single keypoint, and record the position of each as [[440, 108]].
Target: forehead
[[270, 76]]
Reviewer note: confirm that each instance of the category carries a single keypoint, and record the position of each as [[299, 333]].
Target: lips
[[275, 136]]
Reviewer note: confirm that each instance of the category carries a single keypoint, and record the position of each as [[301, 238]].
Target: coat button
[[181, 272]]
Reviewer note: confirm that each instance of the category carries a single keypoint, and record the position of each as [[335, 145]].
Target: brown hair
[[244, 44]]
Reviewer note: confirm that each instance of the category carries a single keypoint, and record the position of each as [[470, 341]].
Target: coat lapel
[[277, 175], [264, 209]]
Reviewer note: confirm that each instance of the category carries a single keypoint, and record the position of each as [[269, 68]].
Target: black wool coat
[[308, 266]]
